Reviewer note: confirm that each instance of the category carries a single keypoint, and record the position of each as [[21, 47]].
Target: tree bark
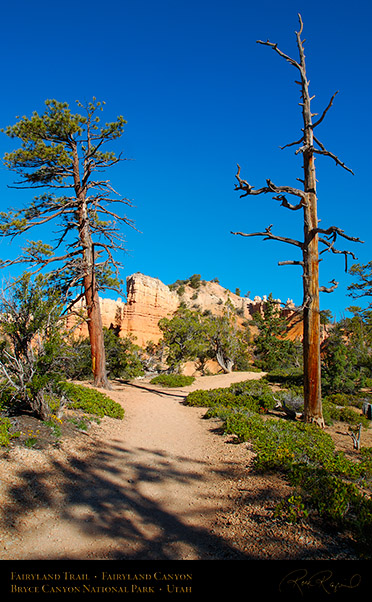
[[90, 289], [226, 364], [311, 313], [311, 316], [93, 310]]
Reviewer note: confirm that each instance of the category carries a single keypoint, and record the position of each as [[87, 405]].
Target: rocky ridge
[[149, 300]]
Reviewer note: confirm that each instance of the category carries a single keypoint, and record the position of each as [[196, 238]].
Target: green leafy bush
[[292, 508], [286, 377], [123, 358], [92, 401], [211, 398], [272, 350], [5, 434], [336, 499], [172, 380], [252, 395], [33, 349], [340, 399], [332, 412]]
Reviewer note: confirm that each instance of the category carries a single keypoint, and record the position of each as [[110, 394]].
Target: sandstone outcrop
[[149, 300]]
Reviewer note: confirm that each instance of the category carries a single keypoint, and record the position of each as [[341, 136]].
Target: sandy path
[[148, 487]]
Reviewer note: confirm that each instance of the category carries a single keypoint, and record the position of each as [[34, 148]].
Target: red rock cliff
[[149, 300]]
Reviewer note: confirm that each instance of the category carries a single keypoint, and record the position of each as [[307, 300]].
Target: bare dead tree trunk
[[226, 364], [310, 146], [311, 315]]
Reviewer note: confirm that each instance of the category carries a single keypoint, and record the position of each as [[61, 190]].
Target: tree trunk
[[40, 406], [311, 321], [311, 318], [225, 363], [89, 282], [95, 330]]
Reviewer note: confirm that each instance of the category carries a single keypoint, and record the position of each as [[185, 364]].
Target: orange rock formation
[[149, 300]]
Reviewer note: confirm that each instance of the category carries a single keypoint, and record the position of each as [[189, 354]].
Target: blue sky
[[200, 96]]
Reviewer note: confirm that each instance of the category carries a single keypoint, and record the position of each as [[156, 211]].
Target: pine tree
[[64, 154]]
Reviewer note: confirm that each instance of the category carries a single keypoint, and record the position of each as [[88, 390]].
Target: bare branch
[[325, 111], [268, 235], [243, 185], [327, 153], [281, 53], [301, 25], [355, 434], [302, 149], [330, 289], [292, 143], [334, 231], [285, 203], [291, 262], [286, 189], [331, 248], [270, 188]]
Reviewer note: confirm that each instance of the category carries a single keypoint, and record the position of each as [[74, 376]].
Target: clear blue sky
[[201, 96]]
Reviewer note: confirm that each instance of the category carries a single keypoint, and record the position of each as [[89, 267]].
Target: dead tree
[[306, 201]]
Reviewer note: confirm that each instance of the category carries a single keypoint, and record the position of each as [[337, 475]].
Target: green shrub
[[5, 434], [328, 481], [92, 401], [286, 377], [279, 444], [339, 399], [366, 457], [348, 399], [337, 500], [214, 397], [342, 413], [292, 508], [351, 417], [252, 395], [6, 397], [123, 358], [172, 380], [37, 349]]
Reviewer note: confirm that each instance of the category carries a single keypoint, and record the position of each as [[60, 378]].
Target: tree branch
[[270, 188], [331, 248], [292, 143], [327, 153], [281, 53], [334, 231], [290, 262], [268, 235], [287, 205], [330, 289], [325, 111]]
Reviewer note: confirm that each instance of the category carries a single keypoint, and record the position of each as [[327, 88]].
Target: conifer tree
[[63, 155]]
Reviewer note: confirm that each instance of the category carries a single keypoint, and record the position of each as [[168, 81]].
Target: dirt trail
[[162, 484], [147, 487]]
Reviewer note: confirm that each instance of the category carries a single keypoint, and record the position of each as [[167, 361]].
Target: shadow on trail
[[100, 498], [162, 393]]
